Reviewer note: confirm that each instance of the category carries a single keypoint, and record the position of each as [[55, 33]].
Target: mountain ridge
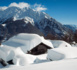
[[42, 22], [72, 27]]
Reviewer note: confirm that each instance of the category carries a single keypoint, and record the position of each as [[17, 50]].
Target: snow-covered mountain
[[3, 32], [18, 13], [27, 20], [72, 27]]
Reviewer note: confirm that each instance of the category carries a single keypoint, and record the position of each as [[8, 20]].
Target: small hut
[[39, 49]]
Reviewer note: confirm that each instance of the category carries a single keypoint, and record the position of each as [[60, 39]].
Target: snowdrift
[[6, 52], [21, 59], [17, 55], [62, 53], [59, 43], [55, 65]]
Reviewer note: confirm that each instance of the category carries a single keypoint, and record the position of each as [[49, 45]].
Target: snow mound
[[62, 53], [21, 59], [17, 55], [59, 43], [26, 41], [6, 52]]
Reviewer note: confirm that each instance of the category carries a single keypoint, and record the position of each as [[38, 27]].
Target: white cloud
[[39, 7], [20, 5]]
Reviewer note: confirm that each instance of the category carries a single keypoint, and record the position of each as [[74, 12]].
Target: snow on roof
[[27, 41]]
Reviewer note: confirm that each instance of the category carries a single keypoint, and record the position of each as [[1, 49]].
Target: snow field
[[62, 53], [16, 48]]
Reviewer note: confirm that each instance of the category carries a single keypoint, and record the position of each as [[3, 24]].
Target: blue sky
[[64, 11]]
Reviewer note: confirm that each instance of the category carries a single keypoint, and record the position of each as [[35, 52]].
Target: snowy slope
[[62, 53], [29, 19], [18, 13], [40, 19], [55, 65], [62, 50], [72, 27]]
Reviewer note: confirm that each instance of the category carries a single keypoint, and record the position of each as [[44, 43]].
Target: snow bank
[[59, 43], [17, 55], [6, 52], [54, 65], [21, 59], [26, 41], [62, 53]]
